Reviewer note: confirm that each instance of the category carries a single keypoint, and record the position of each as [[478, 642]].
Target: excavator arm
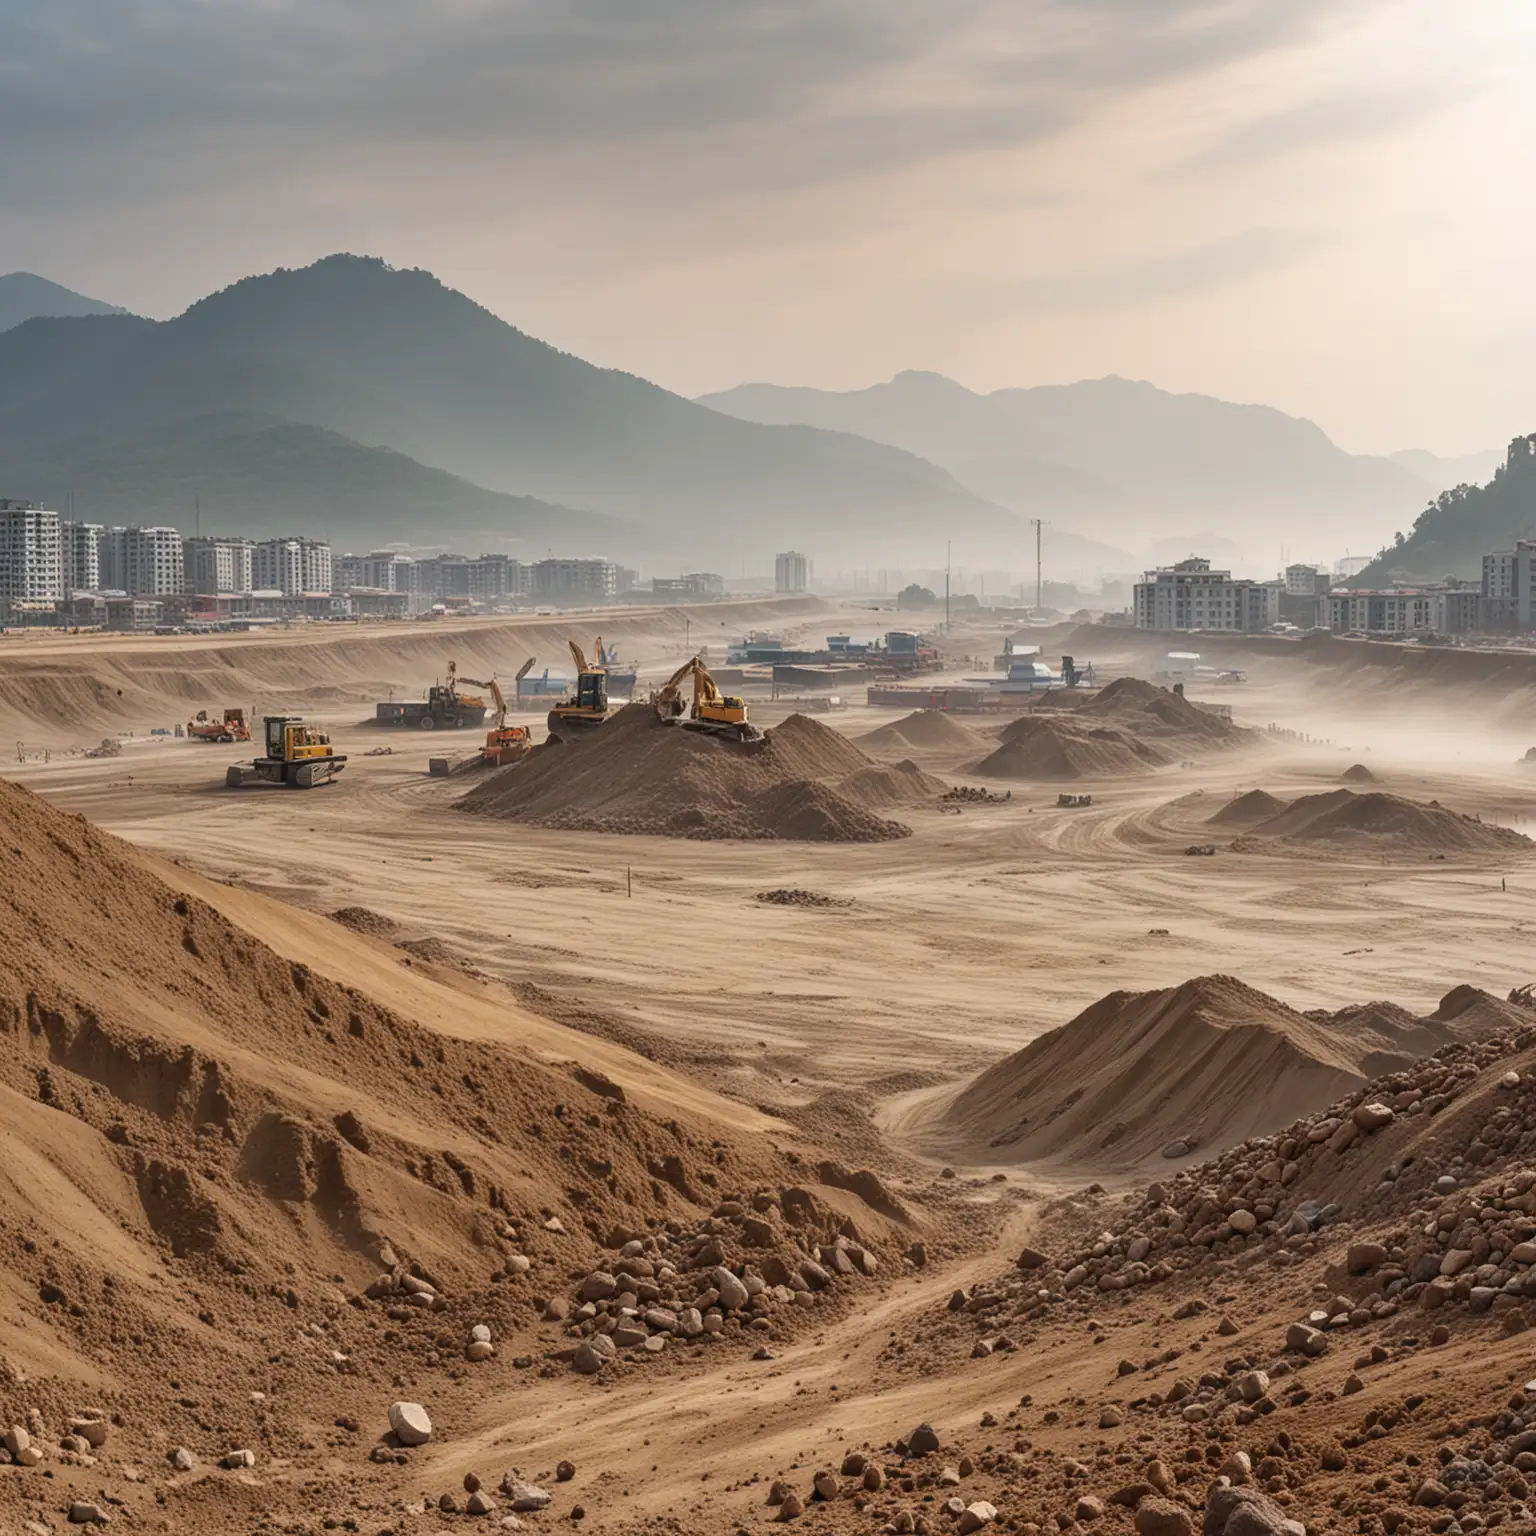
[[497, 697], [579, 657]]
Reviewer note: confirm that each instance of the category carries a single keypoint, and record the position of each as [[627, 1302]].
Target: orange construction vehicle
[[503, 743], [231, 728]]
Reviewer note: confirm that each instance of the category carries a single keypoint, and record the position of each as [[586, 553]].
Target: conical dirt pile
[[637, 774], [1060, 748], [925, 730]]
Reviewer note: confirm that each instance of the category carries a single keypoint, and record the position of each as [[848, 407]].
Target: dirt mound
[[639, 775], [880, 787], [1205, 1063], [366, 920], [1474, 1013], [1159, 713], [1246, 810], [206, 1148], [925, 730], [1061, 748], [1383, 822], [786, 897], [1359, 774]]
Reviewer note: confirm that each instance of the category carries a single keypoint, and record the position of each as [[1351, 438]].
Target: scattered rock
[[410, 1423]]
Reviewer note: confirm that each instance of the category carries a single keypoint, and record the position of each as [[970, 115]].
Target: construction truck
[[230, 729], [709, 710], [297, 757], [588, 704], [444, 708]]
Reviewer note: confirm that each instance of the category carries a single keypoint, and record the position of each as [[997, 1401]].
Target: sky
[[1320, 205]]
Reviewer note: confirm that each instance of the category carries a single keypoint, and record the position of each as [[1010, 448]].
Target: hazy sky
[[1320, 204]]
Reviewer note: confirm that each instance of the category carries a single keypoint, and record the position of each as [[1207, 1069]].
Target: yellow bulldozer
[[721, 714], [297, 757]]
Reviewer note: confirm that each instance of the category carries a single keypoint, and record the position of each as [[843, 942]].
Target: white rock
[[480, 1334], [410, 1423]]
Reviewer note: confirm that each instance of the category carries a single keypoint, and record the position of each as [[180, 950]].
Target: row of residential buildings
[[1191, 595], [59, 569]]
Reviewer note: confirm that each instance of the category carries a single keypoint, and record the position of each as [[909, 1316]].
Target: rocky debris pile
[[795, 897], [638, 775], [973, 794], [922, 1485], [753, 1257], [365, 920], [1423, 1176]]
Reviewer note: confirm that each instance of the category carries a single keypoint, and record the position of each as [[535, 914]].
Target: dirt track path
[[666, 1446]]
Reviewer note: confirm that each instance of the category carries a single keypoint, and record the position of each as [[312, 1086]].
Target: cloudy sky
[[1320, 204]]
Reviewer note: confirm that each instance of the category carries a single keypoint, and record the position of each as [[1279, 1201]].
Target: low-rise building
[[1438, 610]]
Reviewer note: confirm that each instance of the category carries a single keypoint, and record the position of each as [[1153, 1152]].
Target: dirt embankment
[[206, 1149], [638, 774], [72, 690]]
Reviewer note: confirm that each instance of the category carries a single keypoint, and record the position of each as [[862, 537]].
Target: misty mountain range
[[371, 404]]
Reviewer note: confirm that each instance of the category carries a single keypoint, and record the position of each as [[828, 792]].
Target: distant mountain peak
[[26, 296]]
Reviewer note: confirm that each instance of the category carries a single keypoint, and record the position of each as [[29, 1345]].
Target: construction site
[[651, 1104]]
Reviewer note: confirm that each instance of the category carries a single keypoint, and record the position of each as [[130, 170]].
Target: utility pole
[[1039, 582], [947, 548]]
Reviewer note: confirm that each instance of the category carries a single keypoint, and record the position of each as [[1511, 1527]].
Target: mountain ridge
[[26, 296], [395, 359], [1115, 455]]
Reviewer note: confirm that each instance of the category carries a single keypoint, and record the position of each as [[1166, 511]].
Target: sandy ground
[[955, 947], [960, 943]]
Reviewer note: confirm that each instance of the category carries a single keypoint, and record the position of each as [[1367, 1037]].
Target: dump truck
[[444, 708], [297, 757]]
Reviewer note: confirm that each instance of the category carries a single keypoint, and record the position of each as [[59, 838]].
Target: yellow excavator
[[721, 714], [297, 756], [588, 705]]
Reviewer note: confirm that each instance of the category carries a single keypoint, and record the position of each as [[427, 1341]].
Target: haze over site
[[1309, 205]]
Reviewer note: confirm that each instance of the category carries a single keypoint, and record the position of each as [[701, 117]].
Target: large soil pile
[[242, 1205], [638, 775], [1063, 748], [925, 730], [1248, 810], [1330, 1318], [1382, 822], [1154, 713], [1205, 1063]]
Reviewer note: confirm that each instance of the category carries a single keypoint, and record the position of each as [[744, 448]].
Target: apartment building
[[791, 572], [1190, 595], [81, 544], [31, 554], [217, 564]]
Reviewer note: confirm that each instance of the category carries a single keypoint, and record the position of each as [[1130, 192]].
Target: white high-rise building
[[218, 564], [791, 572], [81, 544], [31, 554], [292, 566], [315, 565], [153, 562]]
